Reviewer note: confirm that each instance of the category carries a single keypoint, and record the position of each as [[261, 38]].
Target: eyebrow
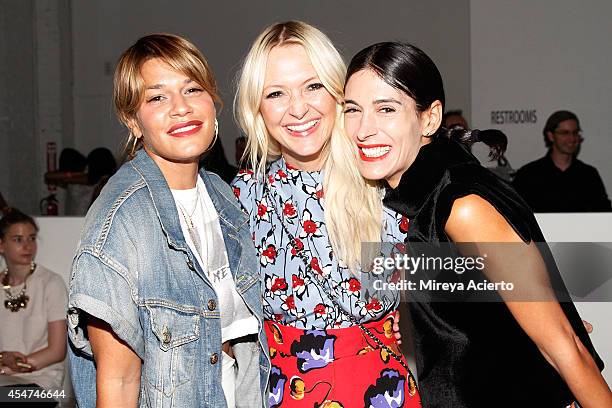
[[376, 102], [281, 86], [387, 100], [160, 86]]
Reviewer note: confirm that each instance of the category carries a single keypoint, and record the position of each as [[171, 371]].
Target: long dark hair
[[408, 69]]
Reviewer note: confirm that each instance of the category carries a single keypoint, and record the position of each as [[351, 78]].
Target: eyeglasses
[[566, 133]]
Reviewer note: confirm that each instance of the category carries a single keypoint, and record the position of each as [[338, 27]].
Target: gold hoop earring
[[134, 144], [210, 146]]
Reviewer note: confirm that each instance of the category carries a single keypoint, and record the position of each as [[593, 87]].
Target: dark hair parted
[[407, 68], [404, 67], [553, 122], [13, 216]]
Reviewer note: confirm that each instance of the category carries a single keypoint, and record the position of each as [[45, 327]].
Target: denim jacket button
[[166, 336], [212, 305], [190, 265], [214, 358]]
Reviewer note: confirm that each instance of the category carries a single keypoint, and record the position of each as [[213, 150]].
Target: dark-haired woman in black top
[[505, 353]]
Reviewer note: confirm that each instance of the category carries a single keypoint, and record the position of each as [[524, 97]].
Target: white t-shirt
[[195, 204], [26, 330]]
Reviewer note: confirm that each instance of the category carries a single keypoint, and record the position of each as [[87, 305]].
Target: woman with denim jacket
[[164, 306]]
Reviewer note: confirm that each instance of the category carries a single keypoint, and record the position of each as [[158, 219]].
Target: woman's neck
[[304, 164], [178, 175], [17, 274]]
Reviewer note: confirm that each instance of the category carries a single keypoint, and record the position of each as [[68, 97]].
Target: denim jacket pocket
[[171, 347]]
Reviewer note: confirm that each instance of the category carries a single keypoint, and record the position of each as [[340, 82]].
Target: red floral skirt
[[338, 368]]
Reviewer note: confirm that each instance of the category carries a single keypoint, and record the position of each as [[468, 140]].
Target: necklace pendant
[[18, 303]]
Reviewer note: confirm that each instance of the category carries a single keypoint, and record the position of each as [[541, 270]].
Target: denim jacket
[[134, 270]]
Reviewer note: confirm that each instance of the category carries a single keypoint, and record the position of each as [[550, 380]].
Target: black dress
[[475, 354]]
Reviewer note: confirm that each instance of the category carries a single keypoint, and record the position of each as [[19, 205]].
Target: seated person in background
[[559, 182], [82, 178], [482, 150], [32, 310]]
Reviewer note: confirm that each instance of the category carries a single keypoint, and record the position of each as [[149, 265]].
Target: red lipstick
[[191, 127]]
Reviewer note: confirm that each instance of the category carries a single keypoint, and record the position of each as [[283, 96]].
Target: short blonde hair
[[326, 60], [128, 85]]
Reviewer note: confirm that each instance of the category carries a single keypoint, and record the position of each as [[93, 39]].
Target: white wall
[[546, 55], [224, 31]]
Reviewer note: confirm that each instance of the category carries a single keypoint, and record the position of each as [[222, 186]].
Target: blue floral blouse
[[292, 294]]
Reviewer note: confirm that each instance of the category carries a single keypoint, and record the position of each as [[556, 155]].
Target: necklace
[[191, 228], [16, 302]]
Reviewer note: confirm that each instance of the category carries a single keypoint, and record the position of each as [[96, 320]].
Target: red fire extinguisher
[[49, 205]]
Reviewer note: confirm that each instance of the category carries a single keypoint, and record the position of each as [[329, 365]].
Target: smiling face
[[299, 113], [566, 138], [176, 116], [18, 245], [385, 125]]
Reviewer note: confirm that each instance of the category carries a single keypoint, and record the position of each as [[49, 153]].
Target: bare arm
[[117, 367], [544, 322], [56, 349]]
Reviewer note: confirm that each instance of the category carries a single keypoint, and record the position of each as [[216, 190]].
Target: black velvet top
[[475, 354]]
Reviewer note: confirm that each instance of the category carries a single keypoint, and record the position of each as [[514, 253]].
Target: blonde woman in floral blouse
[[323, 320]]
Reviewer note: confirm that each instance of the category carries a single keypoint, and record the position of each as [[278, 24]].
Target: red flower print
[[290, 167], [298, 245], [395, 277], [314, 264], [373, 305], [319, 193], [320, 310], [237, 192], [270, 179], [279, 284], [268, 255], [354, 285], [261, 210], [289, 209], [296, 281], [278, 317], [281, 175], [290, 302], [245, 174], [403, 225], [310, 227]]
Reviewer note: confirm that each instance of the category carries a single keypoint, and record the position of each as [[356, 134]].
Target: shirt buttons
[[212, 305], [214, 357], [190, 265]]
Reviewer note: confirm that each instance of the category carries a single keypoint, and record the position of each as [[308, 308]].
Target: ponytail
[[495, 139]]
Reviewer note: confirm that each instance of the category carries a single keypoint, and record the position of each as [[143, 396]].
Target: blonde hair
[[129, 87], [262, 149]]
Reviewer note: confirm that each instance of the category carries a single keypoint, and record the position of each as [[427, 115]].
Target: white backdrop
[[544, 56]]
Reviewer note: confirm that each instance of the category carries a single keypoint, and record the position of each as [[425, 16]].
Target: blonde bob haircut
[[339, 174], [129, 87]]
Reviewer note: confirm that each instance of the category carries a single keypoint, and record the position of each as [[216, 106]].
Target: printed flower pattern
[[292, 292]]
